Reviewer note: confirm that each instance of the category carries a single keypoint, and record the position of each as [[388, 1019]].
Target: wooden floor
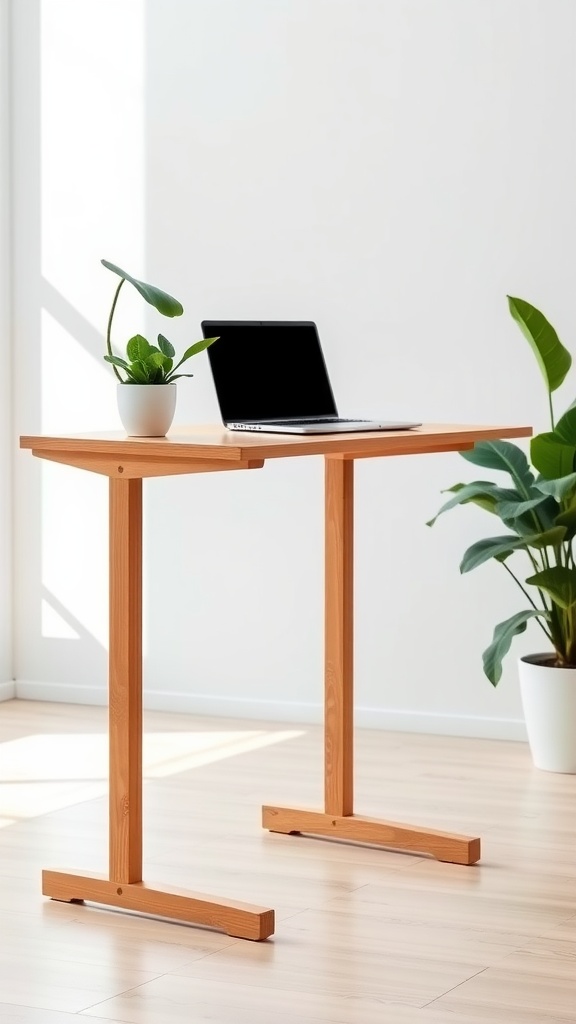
[[363, 936]]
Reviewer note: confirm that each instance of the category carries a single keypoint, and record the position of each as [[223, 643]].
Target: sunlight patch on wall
[[77, 391], [92, 207], [55, 626], [75, 550]]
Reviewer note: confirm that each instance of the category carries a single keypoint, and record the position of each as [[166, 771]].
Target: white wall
[[78, 86], [6, 685], [390, 170]]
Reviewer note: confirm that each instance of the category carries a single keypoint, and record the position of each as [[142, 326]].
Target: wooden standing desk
[[127, 461]]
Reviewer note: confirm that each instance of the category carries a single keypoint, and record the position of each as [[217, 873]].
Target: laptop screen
[[266, 370]]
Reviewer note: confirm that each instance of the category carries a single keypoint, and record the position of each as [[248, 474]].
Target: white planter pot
[[146, 410], [549, 702]]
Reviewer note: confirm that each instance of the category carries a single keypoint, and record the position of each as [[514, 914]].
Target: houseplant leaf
[[515, 509], [554, 453], [502, 547], [564, 491], [504, 633], [490, 547], [553, 359], [166, 346], [137, 371], [568, 520], [116, 361], [551, 457], [164, 303], [505, 456], [198, 346], [561, 489], [535, 515], [484, 493], [158, 360], [138, 348], [547, 539], [565, 429], [559, 582]]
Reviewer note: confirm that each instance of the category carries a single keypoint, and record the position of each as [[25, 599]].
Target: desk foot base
[[240, 920], [454, 849]]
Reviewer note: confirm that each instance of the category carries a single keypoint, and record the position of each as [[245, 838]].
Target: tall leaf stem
[[551, 409], [540, 528], [109, 330], [527, 595]]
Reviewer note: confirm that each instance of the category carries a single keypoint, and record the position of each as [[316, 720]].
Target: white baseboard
[[7, 690], [61, 693], [285, 711]]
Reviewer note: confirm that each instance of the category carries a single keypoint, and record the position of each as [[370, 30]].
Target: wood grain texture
[[216, 443], [131, 468], [241, 920], [339, 637], [444, 846], [125, 681]]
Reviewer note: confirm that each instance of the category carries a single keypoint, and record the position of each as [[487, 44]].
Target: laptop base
[[351, 427]]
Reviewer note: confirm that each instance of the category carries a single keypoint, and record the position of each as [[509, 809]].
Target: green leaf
[[138, 371], [504, 633], [554, 453], [132, 379], [502, 547], [162, 301], [538, 519], [505, 456], [116, 361], [565, 429], [490, 547], [515, 509], [561, 489], [198, 346], [156, 359], [547, 539], [166, 347], [559, 582], [567, 519], [482, 492], [551, 457], [176, 376], [553, 359], [138, 348]]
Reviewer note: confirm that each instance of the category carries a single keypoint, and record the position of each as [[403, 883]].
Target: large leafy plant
[[146, 363], [537, 509]]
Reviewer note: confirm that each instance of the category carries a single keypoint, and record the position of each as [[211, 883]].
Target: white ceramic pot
[[549, 702], [146, 410]]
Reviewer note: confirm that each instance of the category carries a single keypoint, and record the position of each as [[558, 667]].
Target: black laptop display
[[271, 376]]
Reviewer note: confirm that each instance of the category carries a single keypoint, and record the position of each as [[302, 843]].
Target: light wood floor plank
[[364, 936], [12, 1014], [525, 984]]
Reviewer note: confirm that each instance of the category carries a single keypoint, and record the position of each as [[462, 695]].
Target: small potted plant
[[147, 375], [538, 511]]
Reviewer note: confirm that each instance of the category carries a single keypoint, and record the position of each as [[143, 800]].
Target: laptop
[[270, 375]]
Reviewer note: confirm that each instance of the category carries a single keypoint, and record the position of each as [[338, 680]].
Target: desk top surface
[[217, 444]]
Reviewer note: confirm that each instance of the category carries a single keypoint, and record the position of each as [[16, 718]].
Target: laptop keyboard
[[317, 419]]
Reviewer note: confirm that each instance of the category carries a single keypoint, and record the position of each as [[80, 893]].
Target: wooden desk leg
[[338, 820], [124, 886], [339, 639], [125, 710]]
